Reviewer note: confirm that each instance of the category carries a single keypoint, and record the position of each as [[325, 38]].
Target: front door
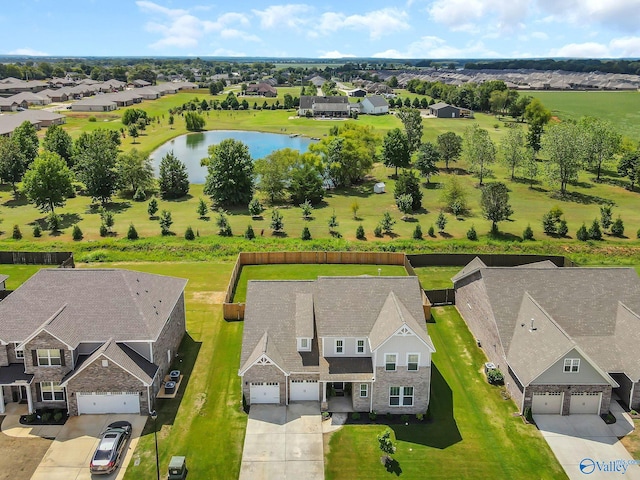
[[22, 394]]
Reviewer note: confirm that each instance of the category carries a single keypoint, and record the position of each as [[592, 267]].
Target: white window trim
[[395, 362], [401, 396], [335, 346], [364, 346], [52, 391], [571, 363], [366, 390], [49, 357], [19, 353], [304, 348], [417, 362]]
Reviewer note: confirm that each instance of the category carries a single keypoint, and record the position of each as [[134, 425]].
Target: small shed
[[379, 187]]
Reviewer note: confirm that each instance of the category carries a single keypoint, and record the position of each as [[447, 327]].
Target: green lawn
[[434, 278], [473, 434], [307, 272]]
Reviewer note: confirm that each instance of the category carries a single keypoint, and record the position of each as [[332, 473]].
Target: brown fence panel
[[233, 311], [445, 296], [36, 258], [491, 260]]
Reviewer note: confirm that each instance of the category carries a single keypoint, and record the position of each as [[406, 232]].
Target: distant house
[[374, 105], [28, 98], [444, 110], [94, 104], [326, 107], [8, 105], [57, 95], [139, 83], [262, 89], [38, 118], [357, 92]]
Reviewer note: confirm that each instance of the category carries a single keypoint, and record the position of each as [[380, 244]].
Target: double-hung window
[[49, 357], [394, 396], [390, 360], [364, 390], [51, 391], [339, 346], [401, 396], [413, 359], [571, 365], [19, 353], [360, 348]]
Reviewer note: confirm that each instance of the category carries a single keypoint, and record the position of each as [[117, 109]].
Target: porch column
[[324, 391], [29, 399], [2, 409]]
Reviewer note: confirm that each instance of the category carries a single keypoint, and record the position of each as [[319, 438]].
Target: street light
[[154, 416]]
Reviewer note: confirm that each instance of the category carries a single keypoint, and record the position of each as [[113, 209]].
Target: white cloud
[[435, 47], [28, 52], [377, 22], [581, 50], [233, 34], [336, 54], [181, 29], [616, 14], [539, 35], [500, 16], [626, 47], [224, 52], [293, 16]]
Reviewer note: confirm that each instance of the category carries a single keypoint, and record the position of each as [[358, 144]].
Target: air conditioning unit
[[174, 375], [170, 388]]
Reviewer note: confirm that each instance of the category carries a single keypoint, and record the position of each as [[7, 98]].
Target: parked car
[[109, 452]]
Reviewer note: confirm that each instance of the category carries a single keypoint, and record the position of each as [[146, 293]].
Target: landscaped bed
[[45, 416]]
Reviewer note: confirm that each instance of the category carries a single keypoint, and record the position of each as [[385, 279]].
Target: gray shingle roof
[[304, 315], [93, 305], [377, 101]]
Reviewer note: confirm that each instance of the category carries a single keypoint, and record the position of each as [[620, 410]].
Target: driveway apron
[[283, 443], [587, 448]]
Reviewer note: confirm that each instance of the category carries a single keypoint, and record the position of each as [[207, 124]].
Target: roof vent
[[533, 327]]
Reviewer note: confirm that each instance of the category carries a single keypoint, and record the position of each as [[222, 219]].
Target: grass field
[[473, 434]]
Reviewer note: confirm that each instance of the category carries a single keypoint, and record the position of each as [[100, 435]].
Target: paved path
[[69, 455], [587, 448], [283, 443]]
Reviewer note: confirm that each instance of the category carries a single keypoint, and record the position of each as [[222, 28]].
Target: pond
[[192, 147]]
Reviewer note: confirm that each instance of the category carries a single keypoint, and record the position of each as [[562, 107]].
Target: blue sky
[[331, 29]]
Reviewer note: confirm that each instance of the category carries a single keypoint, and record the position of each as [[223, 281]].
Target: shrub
[[92, 119], [107, 219], [37, 231], [165, 222], [594, 231], [528, 233], [45, 417], [132, 233], [202, 208], [255, 207], [277, 223], [404, 418], [549, 224], [617, 228], [528, 415], [140, 195], [431, 232], [103, 230], [333, 222], [420, 416], [53, 222], [408, 183], [152, 208], [224, 228], [378, 231], [441, 222], [355, 416], [307, 208], [249, 234], [360, 233], [57, 416], [582, 233], [188, 234], [563, 229], [354, 209], [387, 223], [457, 208], [30, 418], [472, 234], [637, 233], [306, 234], [373, 416], [417, 232], [495, 377], [17, 234], [76, 234]]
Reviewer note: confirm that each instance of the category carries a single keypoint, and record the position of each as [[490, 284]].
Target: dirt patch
[[20, 456], [210, 298], [198, 404], [632, 441]]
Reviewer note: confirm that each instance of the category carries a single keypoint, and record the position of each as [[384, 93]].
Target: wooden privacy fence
[[62, 259], [235, 311]]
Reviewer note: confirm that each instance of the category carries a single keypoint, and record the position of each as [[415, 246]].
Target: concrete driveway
[[69, 455], [283, 443], [587, 448]]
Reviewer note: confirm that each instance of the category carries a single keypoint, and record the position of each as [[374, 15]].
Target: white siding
[[586, 375], [143, 348], [402, 345], [349, 347]]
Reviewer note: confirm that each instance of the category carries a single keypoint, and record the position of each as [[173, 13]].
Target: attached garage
[[108, 402], [548, 403], [304, 390], [585, 403], [265, 392]]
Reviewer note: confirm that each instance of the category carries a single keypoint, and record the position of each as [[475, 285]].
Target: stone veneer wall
[[568, 389], [264, 373], [112, 378], [420, 381], [4, 356], [46, 374], [635, 397], [360, 404]]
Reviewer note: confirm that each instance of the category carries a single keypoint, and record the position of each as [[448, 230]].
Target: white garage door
[[265, 392], [549, 403], [108, 402], [585, 403], [304, 390]]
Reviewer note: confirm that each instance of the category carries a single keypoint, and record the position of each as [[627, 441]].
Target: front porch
[[15, 386]]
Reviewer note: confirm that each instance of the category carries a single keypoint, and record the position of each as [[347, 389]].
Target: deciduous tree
[[230, 177], [274, 172], [26, 137], [495, 203], [395, 149], [450, 147], [174, 179], [513, 149], [135, 171], [48, 182], [412, 121], [12, 163], [426, 159], [563, 147], [95, 163], [57, 140], [480, 151], [600, 143]]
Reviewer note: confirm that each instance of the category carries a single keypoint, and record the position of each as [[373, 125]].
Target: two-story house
[[360, 336], [89, 340]]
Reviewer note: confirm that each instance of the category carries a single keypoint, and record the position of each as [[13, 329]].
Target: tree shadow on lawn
[[14, 202], [167, 408], [186, 198], [583, 198], [442, 430], [432, 185], [113, 207], [66, 221]]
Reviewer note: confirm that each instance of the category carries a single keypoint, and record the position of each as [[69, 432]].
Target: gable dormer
[[304, 322]]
